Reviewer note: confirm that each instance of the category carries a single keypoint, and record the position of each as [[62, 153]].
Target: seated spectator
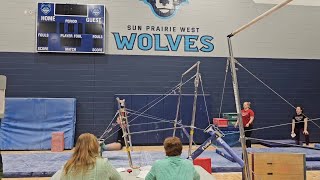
[[173, 167], [86, 163]]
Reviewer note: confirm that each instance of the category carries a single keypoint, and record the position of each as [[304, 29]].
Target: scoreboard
[[71, 28]]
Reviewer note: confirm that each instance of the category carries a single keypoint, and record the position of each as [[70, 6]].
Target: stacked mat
[[29, 122]]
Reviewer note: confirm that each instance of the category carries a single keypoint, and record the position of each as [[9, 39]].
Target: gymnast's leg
[[297, 132], [115, 146], [307, 139], [248, 132]]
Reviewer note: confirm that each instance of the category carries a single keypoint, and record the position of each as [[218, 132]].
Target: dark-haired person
[[247, 120], [300, 123], [173, 167], [119, 144]]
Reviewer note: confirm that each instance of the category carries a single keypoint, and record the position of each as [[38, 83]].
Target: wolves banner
[[160, 27]]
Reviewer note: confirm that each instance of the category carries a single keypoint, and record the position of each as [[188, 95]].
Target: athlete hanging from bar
[[247, 119], [300, 123]]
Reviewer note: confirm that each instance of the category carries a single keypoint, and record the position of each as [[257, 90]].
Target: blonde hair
[[84, 156], [249, 104]]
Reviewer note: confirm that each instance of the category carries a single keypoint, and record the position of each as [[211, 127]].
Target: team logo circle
[[96, 11], [164, 8], [45, 8]]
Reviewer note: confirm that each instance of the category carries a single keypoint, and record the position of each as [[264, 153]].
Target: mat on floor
[[277, 143], [311, 154], [46, 164]]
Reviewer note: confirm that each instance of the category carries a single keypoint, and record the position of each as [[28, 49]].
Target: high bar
[[270, 11], [192, 67]]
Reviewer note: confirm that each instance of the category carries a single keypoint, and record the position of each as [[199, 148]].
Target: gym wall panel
[[296, 2], [290, 33], [296, 80]]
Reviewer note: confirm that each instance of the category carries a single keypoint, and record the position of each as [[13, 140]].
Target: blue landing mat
[[285, 143], [311, 155], [33, 165], [278, 143], [46, 164]]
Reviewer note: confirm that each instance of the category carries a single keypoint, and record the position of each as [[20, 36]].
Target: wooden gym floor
[[311, 175]]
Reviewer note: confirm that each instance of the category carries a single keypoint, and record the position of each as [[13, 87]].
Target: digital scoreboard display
[[72, 28]]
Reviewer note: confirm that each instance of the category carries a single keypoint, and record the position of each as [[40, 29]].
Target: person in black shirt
[[115, 146], [118, 145], [300, 123]]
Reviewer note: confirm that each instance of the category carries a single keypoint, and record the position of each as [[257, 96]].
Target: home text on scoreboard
[[72, 28]]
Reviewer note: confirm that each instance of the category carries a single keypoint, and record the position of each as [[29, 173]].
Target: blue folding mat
[[278, 143], [29, 122], [311, 154]]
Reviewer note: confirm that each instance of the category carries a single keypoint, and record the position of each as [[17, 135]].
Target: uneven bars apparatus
[[235, 81], [194, 108], [180, 93], [124, 120]]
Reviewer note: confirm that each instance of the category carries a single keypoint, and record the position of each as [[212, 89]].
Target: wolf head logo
[[164, 8], [96, 11], [45, 8]]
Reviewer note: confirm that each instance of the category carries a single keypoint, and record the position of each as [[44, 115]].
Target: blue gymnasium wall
[[94, 80]]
